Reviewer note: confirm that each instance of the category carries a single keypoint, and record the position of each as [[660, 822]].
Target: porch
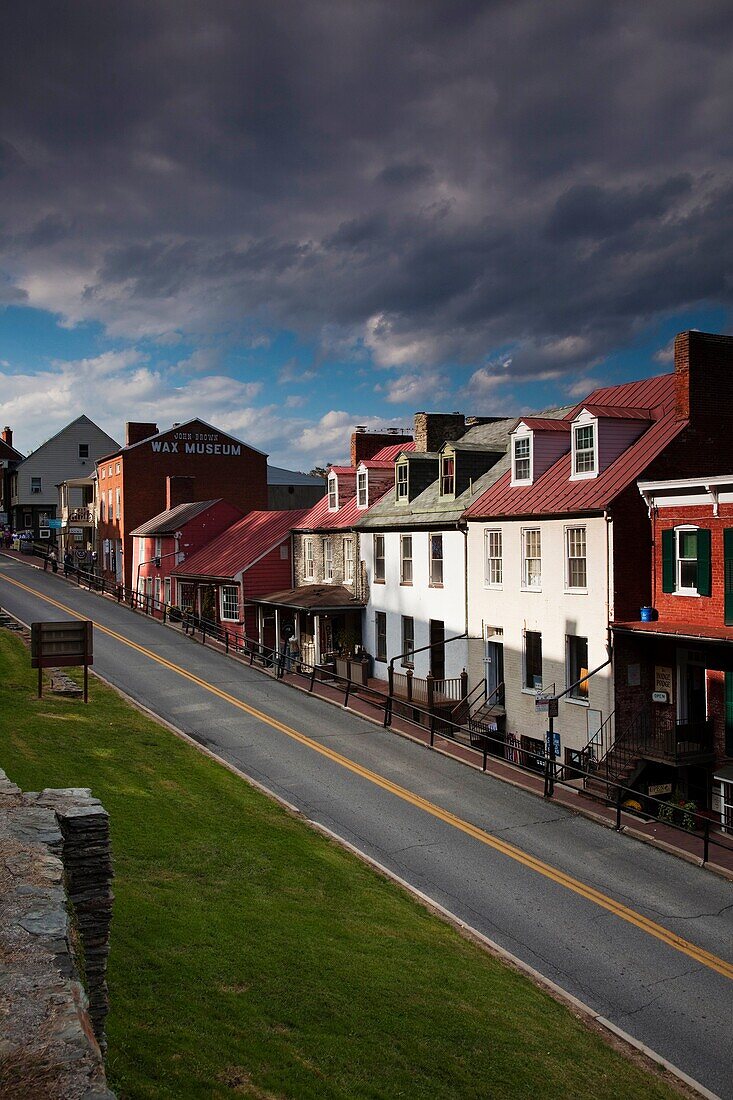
[[315, 625]]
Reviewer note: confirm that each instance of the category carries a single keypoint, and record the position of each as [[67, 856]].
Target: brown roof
[[678, 630], [313, 597], [168, 522]]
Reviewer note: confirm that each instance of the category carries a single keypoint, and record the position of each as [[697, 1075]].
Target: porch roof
[[313, 597], [713, 634]]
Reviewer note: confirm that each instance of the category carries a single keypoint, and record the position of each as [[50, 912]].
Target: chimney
[[703, 367], [7, 436], [178, 490], [365, 444], [432, 430], [135, 431]]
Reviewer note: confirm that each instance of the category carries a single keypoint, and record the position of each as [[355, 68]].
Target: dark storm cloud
[[448, 177]]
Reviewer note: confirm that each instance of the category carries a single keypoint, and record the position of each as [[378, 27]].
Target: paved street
[[596, 912]]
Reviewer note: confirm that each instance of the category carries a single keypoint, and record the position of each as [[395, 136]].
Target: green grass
[[253, 957]]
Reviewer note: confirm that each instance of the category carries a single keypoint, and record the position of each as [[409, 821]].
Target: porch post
[[277, 630], [317, 638], [260, 625]]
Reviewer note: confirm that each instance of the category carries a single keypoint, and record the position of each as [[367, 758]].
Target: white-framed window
[[379, 559], [83, 450], [333, 494], [118, 497], [494, 575], [110, 514], [402, 481], [308, 562], [103, 472], [158, 547], [157, 589], [435, 545], [447, 475], [230, 603], [531, 557], [585, 450], [408, 641], [118, 467], [405, 559], [532, 672], [101, 508], [577, 666], [521, 459], [362, 489], [686, 539], [167, 590], [36, 485], [109, 471], [327, 559], [27, 520], [576, 569], [349, 559]]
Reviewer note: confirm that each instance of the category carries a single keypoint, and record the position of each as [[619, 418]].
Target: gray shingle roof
[[168, 522]]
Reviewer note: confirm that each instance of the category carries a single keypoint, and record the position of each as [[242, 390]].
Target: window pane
[[532, 659], [577, 665]]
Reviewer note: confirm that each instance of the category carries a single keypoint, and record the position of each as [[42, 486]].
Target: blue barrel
[[646, 614]]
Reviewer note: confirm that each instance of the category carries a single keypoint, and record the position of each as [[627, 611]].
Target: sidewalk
[[688, 846]]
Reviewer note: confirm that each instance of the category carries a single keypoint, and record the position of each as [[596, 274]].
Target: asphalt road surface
[[643, 938]]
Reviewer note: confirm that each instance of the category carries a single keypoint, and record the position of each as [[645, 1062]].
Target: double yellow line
[[554, 874]]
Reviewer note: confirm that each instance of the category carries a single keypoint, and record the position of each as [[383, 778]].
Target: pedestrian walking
[[68, 562]]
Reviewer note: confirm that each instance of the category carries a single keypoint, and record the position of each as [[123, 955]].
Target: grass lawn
[[251, 956]]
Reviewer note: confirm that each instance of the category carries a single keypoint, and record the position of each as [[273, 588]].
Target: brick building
[[131, 482], [674, 673], [172, 537]]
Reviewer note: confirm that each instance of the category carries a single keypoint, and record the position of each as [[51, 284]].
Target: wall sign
[[660, 697], [655, 789], [196, 443], [663, 679]]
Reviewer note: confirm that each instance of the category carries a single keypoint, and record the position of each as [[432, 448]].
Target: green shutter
[[728, 711], [703, 562], [728, 574], [668, 563]]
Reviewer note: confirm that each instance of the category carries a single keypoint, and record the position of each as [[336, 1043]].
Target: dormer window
[[521, 460], [401, 481], [333, 494], [585, 450], [362, 489], [447, 475]]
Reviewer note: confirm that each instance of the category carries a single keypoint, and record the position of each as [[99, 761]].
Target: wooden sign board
[[59, 644], [54, 645]]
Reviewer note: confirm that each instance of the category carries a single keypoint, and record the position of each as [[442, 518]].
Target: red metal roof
[[342, 470], [389, 453], [614, 412], [318, 518], [543, 424], [241, 545], [553, 493]]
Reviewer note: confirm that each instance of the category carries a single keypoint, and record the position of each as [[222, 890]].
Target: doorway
[[437, 650], [493, 667], [691, 699]]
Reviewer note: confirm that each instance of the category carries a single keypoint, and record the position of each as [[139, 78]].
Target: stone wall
[[55, 912]]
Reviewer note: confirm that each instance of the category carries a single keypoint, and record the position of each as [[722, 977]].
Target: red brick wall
[[632, 556], [241, 479], [701, 610]]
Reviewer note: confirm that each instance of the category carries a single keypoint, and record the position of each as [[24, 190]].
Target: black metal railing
[[279, 663]]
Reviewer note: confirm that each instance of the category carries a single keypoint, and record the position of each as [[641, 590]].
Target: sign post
[[59, 644]]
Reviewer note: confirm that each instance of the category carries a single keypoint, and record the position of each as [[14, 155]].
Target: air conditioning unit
[[35, 489]]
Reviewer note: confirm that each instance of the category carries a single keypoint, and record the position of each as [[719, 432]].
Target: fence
[[484, 744]]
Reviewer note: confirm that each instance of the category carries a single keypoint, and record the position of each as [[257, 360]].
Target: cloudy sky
[[290, 218]]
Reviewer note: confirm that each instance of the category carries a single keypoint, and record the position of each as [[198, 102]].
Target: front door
[[493, 666], [437, 650], [691, 702]]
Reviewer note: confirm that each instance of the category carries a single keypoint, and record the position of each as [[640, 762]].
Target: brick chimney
[[7, 436], [432, 430], [178, 490], [703, 367], [365, 444], [135, 431]]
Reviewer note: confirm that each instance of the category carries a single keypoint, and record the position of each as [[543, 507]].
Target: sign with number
[[556, 745]]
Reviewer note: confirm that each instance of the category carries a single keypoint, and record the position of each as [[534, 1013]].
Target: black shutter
[[703, 562], [668, 561], [728, 574]]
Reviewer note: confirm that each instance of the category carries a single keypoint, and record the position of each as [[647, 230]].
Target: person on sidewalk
[[54, 561], [68, 563]]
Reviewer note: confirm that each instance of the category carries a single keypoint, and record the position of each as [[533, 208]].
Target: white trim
[[525, 585], [488, 583], [333, 484], [571, 588], [365, 475], [228, 618], [402, 499], [679, 589], [580, 423], [517, 437]]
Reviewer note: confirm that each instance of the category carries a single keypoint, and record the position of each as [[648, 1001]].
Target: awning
[[312, 597]]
